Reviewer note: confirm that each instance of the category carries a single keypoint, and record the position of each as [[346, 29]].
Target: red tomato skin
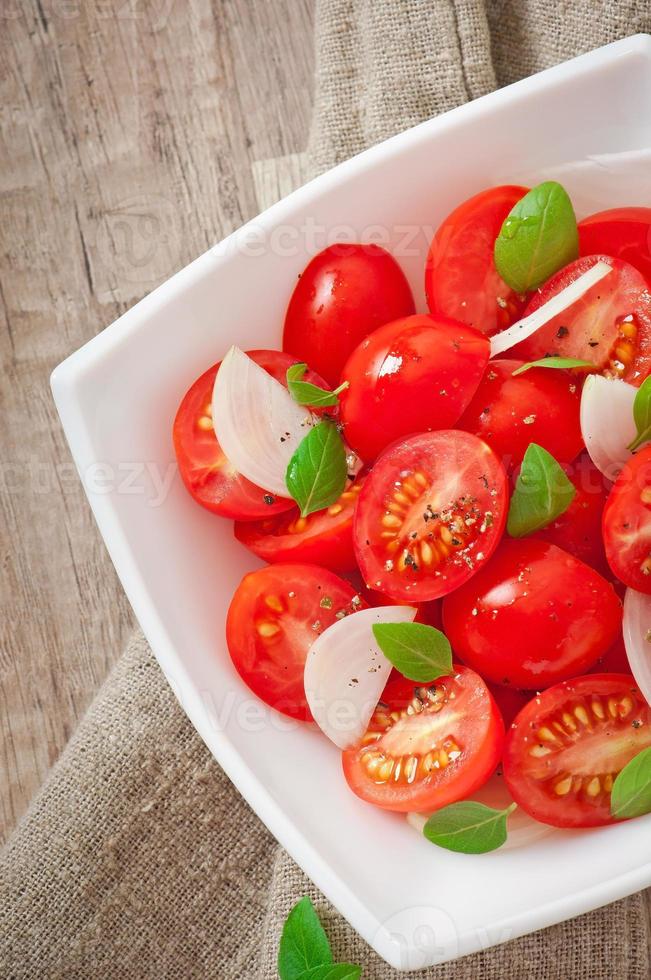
[[570, 811], [532, 617], [614, 660], [579, 331], [344, 293], [627, 523], [461, 280], [542, 406], [509, 700], [412, 375], [624, 233]]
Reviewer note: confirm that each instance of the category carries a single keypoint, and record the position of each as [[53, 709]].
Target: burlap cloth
[[138, 858]]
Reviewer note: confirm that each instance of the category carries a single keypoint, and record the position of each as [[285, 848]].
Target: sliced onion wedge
[[637, 638], [529, 324], [345, 673], [607, 423], [257, 422]]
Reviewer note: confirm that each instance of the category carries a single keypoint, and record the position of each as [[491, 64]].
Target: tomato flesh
[[610, 326], [429, 745], [461, 280], [541, 406], [430, 514], [412, 375], [624, 233], [274, 617], [324, 538], [566, 747], [534, 616], [345, 292], [627, 523]]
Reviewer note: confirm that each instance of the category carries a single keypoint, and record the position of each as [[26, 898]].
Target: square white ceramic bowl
[[416, 904]]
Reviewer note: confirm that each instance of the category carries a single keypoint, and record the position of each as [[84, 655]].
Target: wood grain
[[132, 137]]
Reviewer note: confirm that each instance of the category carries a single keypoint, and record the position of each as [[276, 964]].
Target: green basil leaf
[[468, 827], [421, 653], [317, 472], [303, 943], [554, 362], [336, 971], [305, 393], [631, 793], [642, 414], [539, 236], [542, 493]]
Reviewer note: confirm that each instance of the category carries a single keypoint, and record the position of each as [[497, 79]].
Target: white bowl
[[414, 903]]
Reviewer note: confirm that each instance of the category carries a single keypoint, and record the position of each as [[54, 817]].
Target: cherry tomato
[[461, 280], [441, 750], [324, 538], [344, 293], [204, 469], [624, 233], [614, 660], [412, 375], [627, 523], [534, 616], [541, 406], [610, 325], [509, 700], [430, 514], [566, 747], [273, 619], [578, 530]]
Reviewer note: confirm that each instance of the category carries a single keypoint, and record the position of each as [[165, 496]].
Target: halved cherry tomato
[[534, 616], [578, 530], [627, 523], [624, 233], [412, 375], [344, 293], [461, 280], [566, 747], [204, 469], [541, 405], [273, 619], [430, 514], [444, 745], [610, 325], [324, 538]]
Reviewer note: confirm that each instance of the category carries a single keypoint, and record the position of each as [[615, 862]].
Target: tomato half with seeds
[[624, 233], [324, 538], [461, 280], [204, 469], [542, 406], [345, 292], [412, 375], [274, 617], [534, 616], [627, 523], [610, 325], [428, 746], [566, 747], [430, 514]]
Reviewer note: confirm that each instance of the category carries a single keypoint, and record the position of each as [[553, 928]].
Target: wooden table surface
[[133, 135]]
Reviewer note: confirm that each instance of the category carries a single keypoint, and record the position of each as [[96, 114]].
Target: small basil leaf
[[631, 793], [468, 827], [303, 943], [421, 653], [317, 472], [642, 414], [554, 362], [336, 971], [542, 493], [305, 393], [539, 236]]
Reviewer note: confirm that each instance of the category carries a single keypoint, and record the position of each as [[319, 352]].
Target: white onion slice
[[607, 423], [257, 422], [345, 673], [529, 324], [637, 630]]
